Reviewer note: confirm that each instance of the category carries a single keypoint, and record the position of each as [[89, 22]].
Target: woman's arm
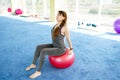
[[67, 34]]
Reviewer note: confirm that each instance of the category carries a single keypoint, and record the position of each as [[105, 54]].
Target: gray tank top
[[59, 40]]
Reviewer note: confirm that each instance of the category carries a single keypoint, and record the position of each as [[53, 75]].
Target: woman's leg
[[48, 51], [38, 50], [43, 53], [37, 54]]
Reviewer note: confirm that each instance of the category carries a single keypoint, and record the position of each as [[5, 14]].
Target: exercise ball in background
[[18, 11], [62, 61], [9, 10], [117, 26]]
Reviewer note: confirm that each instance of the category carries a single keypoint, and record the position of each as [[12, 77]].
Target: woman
[[59, 31]]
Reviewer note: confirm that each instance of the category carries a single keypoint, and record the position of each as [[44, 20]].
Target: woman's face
[[59, 17]]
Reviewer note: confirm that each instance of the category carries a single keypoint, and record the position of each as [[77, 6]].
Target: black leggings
[[43, 50]]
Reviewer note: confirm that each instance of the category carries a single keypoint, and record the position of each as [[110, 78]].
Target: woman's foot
[[30, 67], [36, 74]]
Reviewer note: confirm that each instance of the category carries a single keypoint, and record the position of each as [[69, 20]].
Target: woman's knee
[[38, 47]]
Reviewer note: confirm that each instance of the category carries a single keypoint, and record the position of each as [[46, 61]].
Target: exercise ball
[[18, 11], [63, 61], [117, 26], [9, 10]]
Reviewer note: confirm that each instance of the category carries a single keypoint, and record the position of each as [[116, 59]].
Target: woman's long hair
[[58, 29]]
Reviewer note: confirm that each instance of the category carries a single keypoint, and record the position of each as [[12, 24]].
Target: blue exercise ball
[[117, 26]]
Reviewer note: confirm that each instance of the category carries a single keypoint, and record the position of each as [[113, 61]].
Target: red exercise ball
[[62, 61]]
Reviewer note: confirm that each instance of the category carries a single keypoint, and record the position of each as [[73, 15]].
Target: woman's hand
[[70, 51]]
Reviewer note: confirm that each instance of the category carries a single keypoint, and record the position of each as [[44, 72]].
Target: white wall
[[18, 4]]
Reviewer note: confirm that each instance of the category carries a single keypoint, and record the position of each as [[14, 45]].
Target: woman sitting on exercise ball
[[58, 32]]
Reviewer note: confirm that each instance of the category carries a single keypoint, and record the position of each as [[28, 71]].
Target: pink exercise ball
[[18, 11], [9, 10], [62, 61]]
